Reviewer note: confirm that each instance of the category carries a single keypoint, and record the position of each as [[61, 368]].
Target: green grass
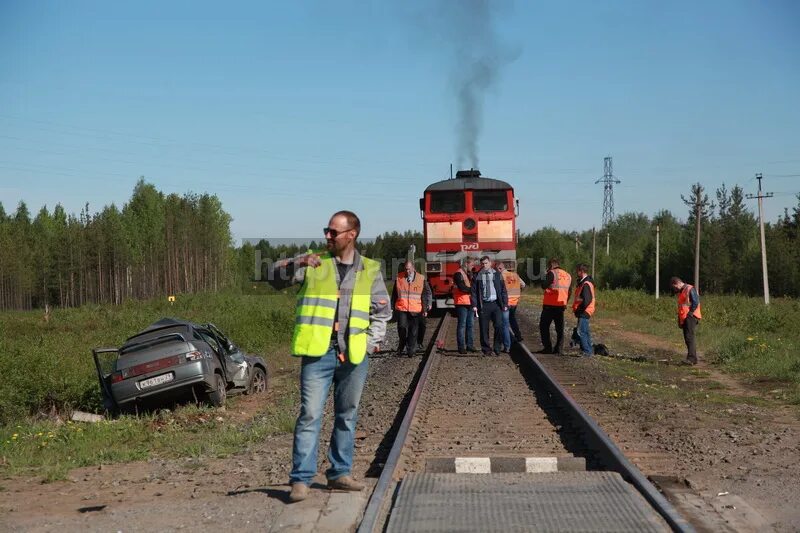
[[47, 370], [670, 383], [739, 333], [50, 449]]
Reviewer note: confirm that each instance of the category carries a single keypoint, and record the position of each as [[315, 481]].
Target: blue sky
[[289, 111]]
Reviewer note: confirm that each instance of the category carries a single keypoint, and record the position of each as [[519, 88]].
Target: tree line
[[155, 245], [730, 252], [160, 244]]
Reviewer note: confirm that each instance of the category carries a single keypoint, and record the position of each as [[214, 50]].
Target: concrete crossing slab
[[539, 502]]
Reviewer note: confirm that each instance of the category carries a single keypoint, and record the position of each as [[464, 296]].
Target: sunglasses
[[334, 233]]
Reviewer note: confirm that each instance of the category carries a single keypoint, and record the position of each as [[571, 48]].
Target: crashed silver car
[[174, 358]]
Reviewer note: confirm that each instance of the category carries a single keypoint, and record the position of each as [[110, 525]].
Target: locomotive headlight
[[469, 224], [434, 266]]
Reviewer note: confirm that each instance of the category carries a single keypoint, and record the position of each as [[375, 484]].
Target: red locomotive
[[466, 216]]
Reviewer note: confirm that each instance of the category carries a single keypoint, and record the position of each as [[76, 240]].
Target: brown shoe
[[299, 492], [345, 483]]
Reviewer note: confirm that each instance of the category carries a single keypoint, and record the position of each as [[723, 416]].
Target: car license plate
[[157, 380]]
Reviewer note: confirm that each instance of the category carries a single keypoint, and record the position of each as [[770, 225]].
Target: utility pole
[[697, 213], [577, 242], [658, 239], [594, 248], [761, 197], [608, 243]]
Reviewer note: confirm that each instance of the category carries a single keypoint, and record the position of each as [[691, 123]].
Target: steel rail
[[381, 493], [608, 452]]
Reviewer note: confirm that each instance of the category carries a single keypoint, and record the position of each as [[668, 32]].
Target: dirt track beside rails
[[724, 444]]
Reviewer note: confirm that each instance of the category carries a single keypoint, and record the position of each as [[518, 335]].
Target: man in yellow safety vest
[[341, 316]]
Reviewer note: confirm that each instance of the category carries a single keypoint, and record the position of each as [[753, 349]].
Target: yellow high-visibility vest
[[315, 315]]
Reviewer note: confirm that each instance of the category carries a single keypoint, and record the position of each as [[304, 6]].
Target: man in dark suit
[[489, 299]]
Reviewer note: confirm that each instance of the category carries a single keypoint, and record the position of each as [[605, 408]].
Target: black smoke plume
[[478, 57]]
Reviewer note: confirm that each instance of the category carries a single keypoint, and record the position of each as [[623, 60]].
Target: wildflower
[[749, 338], [15, 435]]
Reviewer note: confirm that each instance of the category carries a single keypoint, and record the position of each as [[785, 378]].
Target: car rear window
[[149, 343]]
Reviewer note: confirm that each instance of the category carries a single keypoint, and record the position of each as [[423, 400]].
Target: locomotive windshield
[[490, 200], [447, 202]]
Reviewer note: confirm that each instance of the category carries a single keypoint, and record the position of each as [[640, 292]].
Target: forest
[[157, 245]]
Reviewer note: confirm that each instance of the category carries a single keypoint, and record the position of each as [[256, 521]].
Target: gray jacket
[[379, 310]]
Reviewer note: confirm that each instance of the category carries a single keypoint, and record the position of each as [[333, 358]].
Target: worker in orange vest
[[556, 297], [411, 300], [583, 304], [462, 290], [514, 286], [688, 315]]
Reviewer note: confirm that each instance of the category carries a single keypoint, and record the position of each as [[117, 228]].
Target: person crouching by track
[[411, 299], [583, 304], [342, 311], [462, 296], [514, 286], [556, 297], [688, 315], [489, 300]]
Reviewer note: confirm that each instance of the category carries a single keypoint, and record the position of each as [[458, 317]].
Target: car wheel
[[258, 383], [217, 396]]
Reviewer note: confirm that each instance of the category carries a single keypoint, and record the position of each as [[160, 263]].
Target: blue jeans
[[585, 335], [316, 377], [506, 330], [464, 327]]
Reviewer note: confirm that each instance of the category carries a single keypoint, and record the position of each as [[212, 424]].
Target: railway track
[[507, 417]]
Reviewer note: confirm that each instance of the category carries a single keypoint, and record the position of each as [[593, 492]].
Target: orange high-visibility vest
[[460, 297], [513, 287], [577, 300], [558, 292], [683, 305], [409, 295]]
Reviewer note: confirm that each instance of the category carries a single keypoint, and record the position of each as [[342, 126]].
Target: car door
[[213, 343], [104, 362], [239, 369]]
